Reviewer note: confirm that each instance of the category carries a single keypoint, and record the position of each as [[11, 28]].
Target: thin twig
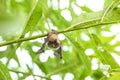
[[115, 70], [26, 73], [110, 8], [63, 31], [106, 11], [62, 69]]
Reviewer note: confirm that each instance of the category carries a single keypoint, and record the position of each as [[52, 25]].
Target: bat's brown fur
[[53, 42]]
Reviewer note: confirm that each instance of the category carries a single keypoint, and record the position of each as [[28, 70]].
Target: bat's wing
[[58, 53], [42, 49]]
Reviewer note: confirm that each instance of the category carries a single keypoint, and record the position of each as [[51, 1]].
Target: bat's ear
[[60, 56], [40, 51], [54, 31]]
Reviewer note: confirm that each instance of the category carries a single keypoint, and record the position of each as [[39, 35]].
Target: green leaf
[[104, 78], [85, 8], [105, 54], [11, 53], [93, 19], [115, 77], [107, 3], [4, 74], [34, 18], [80, 52], [57, 19], [111, 6]]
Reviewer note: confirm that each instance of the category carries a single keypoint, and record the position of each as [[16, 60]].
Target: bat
[[53, 42]]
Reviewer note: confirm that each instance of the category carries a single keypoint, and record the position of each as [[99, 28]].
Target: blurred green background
[[88, 31]]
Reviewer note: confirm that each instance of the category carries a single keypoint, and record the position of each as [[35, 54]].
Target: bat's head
[[53, 31]]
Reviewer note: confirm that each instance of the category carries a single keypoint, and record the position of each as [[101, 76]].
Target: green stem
[[72, 28], [115, 70], [26, 73], [61, 69]]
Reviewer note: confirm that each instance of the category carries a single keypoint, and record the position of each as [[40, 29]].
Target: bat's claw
[[45, 39], [41, 51], [58, 55]]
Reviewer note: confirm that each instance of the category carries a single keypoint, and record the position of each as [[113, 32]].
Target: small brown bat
[[53, 42]]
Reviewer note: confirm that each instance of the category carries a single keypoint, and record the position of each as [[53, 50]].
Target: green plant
[[21, 20]]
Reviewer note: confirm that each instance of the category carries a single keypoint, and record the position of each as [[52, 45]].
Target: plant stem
[[62, 69], [72, 28], [26, 73]]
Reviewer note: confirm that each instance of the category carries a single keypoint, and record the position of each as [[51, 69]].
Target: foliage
[[23, 24]]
